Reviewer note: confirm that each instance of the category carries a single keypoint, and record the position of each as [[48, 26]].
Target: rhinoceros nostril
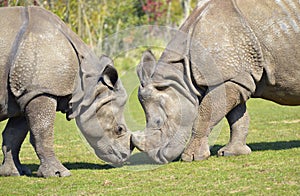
[[124, 156]]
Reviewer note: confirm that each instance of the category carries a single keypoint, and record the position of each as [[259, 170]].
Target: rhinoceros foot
[[8, 169], [52, 168], [234, 150], [196, 150]]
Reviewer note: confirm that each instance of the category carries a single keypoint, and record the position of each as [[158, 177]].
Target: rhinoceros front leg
[[214, 106], [13, 136], [40, 113], [238, 120]]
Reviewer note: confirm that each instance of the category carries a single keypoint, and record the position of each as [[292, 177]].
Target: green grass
[[273, 168]]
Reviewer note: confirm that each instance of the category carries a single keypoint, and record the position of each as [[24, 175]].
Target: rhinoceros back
[[45, 61]]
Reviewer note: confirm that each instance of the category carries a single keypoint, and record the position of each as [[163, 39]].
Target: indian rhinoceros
[[226, 52], [45, 68]]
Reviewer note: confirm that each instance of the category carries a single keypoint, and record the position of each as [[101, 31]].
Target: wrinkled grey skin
[[45, 68], [227, 51]]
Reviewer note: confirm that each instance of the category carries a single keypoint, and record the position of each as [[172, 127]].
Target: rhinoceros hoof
[[187, 157], [195, 151], [194, 157], [195, 154], [202, 156], [52, 170], [234, 150], [11, 170]]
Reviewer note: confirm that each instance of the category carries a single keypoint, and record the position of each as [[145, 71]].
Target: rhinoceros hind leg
[[238, 120], [213, 108], [13, 137], [40, 113]]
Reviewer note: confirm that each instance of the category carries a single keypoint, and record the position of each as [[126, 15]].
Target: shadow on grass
[[73, 166], [280, 145], [92, 166], [76, 165], [263, 146], [140, 158]]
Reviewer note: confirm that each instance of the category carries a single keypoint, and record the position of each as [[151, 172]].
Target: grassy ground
[[272, 169]]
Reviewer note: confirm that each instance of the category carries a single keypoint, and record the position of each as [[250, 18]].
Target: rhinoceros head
[[97, 105], [170, 110]]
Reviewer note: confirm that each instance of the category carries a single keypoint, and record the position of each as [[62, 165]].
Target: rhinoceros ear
[[109, 74], [146, 67]]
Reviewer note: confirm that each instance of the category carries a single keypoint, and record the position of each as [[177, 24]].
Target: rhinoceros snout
[[138, 140]]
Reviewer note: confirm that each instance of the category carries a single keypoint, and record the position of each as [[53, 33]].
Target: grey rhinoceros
[[226, 52], [44, 68]]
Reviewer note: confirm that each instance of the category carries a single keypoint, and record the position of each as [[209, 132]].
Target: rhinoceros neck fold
[[85, 84], [169, 75], [178, 49]]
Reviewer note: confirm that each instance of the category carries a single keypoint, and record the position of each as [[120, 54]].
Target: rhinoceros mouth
[[117, 156], [122, 157]]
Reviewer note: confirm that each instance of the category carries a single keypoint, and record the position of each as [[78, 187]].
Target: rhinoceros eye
[[120, 129], [161, 88], [158, 122]]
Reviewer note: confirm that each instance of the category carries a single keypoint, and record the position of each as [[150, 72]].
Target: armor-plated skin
[[227, 52], [44, 68]]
